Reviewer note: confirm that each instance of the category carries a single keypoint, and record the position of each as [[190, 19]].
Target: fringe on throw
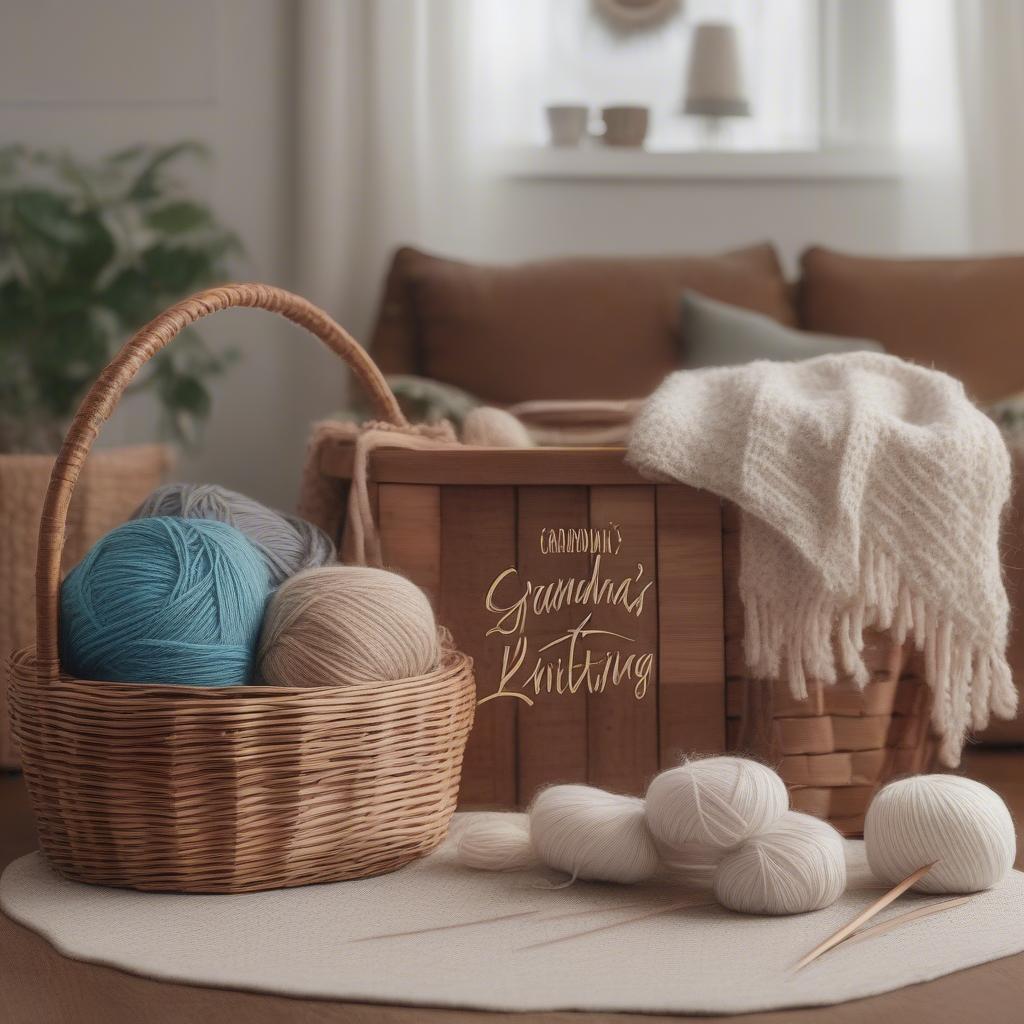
[[817, 638]]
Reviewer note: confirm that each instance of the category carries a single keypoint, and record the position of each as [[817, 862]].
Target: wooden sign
[[589, 598]]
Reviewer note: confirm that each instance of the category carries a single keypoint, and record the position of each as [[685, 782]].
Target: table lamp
[[714, 80]]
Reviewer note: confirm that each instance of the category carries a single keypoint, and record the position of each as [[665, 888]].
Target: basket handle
[[106, 392]]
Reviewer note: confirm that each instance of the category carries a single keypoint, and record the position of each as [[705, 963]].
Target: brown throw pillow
[[567, 328], [964, 316]]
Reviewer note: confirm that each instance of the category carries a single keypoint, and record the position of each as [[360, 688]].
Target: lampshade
[[714, 81]]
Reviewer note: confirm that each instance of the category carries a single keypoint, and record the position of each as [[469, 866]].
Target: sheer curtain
[[990, 37], [960, 86], [384, 119]]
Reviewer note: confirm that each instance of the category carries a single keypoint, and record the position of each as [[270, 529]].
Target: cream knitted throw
[[871, 491]]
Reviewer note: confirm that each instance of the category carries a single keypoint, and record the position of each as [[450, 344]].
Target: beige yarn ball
[[489, 427], [796, 865], [714, 802], [343, 624], [960, 825]]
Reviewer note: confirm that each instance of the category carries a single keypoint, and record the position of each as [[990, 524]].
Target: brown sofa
[[608, 328]]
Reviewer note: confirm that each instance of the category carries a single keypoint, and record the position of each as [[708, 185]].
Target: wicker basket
[[232, 789], [835, 749]]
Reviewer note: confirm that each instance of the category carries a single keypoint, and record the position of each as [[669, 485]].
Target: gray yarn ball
[[287, 543]]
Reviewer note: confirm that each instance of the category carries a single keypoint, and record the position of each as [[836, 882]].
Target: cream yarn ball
[[962, 825], [343, 624], [593, 835], [501, 843], [795, 865], [490, 427], [714, 802]]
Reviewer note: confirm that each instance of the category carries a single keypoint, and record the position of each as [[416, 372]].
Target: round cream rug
[[437, 934]]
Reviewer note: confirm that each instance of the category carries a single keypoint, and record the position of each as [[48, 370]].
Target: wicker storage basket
[[112, 486], [455, 520], [232, 789]]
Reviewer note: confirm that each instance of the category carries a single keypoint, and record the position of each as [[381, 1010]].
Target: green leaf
[[130, 296], [126, 155], [146, 183], [188, 394], [178, 217], [176, 270], [48, 216], [88, 258]]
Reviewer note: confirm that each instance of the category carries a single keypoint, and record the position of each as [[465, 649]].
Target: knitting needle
[[902, 919], [616, 924], [445, 927], [865, 915], [500, 917], [595, 910]]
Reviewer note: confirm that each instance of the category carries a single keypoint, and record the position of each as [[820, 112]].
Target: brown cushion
[[964, 316], [567, 328]]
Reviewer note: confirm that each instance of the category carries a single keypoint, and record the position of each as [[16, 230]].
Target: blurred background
[[331, 132]]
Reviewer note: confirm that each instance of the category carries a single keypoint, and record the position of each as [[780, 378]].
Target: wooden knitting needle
[[865, 915], [618, 924], [445, 927], [902, 919]]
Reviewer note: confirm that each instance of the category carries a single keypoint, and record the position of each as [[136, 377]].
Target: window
[[534, 52]]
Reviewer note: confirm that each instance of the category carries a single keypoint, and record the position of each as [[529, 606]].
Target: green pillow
[[716, 334]]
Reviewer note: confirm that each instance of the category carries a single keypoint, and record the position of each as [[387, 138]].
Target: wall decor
[[633, 16], [625, 125], [567, 123], [715, 86]]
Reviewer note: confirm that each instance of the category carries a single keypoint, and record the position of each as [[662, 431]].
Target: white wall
[[533, 218]]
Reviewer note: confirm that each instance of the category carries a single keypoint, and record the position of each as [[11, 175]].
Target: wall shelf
[[596, 162]]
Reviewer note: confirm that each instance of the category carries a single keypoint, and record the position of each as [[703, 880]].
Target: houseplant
[[89, 252]]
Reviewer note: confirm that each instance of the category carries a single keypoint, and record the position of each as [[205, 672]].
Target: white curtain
[[960, 126], [385, 111], [990, 35]]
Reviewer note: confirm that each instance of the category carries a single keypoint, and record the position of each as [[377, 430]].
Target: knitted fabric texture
[[871, 493]]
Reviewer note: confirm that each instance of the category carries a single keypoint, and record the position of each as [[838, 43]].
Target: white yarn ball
[[716, 801], [594, 835], [797, 864], [496, 844], [959, 823], [693, 865]]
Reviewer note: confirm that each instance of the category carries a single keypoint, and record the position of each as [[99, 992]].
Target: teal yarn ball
[[165, 600]]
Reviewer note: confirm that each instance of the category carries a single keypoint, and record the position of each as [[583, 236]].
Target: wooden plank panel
[[410, 533], [478, 542], [495, 466], [622, 720], [553, 728], [691, 680]]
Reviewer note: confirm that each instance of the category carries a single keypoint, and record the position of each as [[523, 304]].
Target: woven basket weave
[[838, 747], [231, 789], [112, 486]]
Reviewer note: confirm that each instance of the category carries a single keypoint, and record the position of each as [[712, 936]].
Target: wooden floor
[[37, 986]]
